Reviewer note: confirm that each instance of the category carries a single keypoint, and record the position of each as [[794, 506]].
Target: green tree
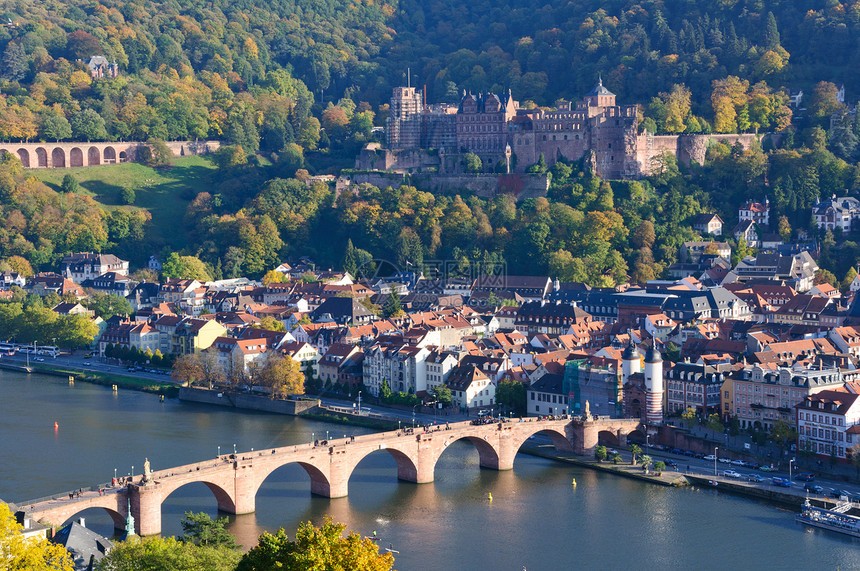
[[472, 163], [18, 552], [646, 461], [600, 453], [87, 125], [782, 434], [70, 184], [849, 278], [659, 466], [442, 394], [76, 331], [385, 391], [200, 529], [155, 153], [158, 553], [616, 458], [512, 394], [634, 450], [392, 307], [128, 196], [714, 423], [106, 305], [15, 62], [56, 128], [321, 548]]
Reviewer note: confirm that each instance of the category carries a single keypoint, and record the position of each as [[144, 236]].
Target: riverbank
[[625, 470], [96, 378]]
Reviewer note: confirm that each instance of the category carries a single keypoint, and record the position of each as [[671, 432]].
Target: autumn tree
[[168, 553], [321, 547], [283, 375], [30, 553]]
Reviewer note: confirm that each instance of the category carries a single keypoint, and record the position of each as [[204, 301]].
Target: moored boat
[[835, 519]]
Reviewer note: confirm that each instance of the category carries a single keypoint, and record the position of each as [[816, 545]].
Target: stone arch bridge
[[235, 479], [65, 155]]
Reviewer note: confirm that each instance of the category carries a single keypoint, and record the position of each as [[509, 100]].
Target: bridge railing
[[66, 495]]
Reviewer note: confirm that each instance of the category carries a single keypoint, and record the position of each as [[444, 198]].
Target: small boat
[[836, 519], [390, 549]]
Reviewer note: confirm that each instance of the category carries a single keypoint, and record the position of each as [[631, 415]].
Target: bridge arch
[[559, 439], [24, 155], [58, 158], [320, 482], [636, 437], [41, 157], [489, 456], [224, 498], [109, 503], [109, 155], [94, 157], [76, 157], [607, 438], [406, 468]]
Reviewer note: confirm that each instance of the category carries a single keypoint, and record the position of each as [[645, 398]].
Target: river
[[536, 520]]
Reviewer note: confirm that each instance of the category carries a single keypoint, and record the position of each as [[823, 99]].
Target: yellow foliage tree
[[283, 375], [30, 553]]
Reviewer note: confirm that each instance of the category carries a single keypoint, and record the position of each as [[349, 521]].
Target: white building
[[828, 423]]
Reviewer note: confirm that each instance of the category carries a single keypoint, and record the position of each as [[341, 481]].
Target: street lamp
[[114, 474], [359, 403], [790, 462], [715, 460], [234, 449], [219, 452]]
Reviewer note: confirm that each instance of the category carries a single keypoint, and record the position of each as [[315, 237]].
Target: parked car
[[764, 468], [815, 489], [87, 364], [781, 482], [724, 460], [732, 474], [755, 478], [738, 463], [670, 464], [699, 455], [805, 477], [710, 457]]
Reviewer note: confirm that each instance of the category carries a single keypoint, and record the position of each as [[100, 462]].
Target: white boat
[[835, 519]]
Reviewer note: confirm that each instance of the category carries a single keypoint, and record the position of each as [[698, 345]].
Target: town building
[[841, 213], [765, 394], [756, 212], [82, 266], [828, 424], [470, 388], [708, 224]]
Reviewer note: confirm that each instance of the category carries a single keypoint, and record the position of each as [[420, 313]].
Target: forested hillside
[[292, 87], [214, 69]]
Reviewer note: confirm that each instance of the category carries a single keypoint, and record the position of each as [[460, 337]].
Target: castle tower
[[653, 385], [630, 362], [403, 126], [600, 96]]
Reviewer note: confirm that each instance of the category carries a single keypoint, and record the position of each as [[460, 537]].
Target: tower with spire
[[653, 385], [630, 361]]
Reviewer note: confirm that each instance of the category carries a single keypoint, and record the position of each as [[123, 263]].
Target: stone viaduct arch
[[235, 479], [89, 154]]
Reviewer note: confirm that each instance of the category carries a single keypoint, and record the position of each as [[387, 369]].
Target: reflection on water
[[537, 519]]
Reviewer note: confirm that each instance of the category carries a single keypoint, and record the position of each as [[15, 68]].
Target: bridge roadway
[[235, 479]]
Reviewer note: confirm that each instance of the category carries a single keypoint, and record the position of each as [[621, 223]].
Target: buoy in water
[[113, 387], [162, 398], [56, 425], [574, 482], [490, 497]]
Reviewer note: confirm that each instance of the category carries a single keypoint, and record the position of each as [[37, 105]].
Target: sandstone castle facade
[[506, 136]]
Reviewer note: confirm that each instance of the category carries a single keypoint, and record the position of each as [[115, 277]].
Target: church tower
[[653, 385]]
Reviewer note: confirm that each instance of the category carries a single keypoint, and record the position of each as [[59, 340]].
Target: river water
[[536, 520]]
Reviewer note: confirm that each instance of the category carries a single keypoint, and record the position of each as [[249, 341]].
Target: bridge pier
[[146, 509]]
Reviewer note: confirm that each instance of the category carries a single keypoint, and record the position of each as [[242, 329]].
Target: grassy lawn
[[165, 193]]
